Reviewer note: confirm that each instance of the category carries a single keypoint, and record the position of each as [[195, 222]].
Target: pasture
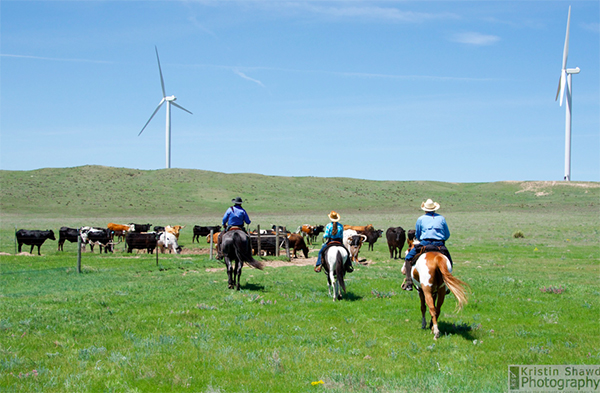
[[127, 324]]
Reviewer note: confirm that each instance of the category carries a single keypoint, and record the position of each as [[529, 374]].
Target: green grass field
[[126, 324]]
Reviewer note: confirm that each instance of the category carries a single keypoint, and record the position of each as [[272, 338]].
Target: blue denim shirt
[[432, 226], [236, 216]]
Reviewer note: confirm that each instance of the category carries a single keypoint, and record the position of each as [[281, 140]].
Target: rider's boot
[[318, 269], [408, 284]]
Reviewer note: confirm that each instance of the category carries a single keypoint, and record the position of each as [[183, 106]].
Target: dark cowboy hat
[[237, 201]]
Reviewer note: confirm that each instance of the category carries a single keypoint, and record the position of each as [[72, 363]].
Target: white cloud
[[240, 73], [474, 38]]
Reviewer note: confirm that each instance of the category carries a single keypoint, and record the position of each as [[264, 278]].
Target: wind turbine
[[565, 88], [170, 100]]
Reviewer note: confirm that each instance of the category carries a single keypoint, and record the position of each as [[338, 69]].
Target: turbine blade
[[566, 50], [563, 81], [154, 113], [162, 82], [558, 90], [180, 107]]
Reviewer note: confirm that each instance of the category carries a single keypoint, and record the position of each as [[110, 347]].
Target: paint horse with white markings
[[432, 274], [335, 258]]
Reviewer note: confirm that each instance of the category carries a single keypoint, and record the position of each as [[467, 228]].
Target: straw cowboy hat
[[334, 217], [237, 201], [430, 206]]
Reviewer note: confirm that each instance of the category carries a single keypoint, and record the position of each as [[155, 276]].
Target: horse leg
[[427, 294], [441, 295], [230, 277], [423, 309], [333, 284], [238, 273]]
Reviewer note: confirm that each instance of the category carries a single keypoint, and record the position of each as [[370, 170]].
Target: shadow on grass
[[252, 287], [351, 297], [463, 329]]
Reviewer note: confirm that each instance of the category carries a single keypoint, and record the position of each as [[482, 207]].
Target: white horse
[[334, 261]]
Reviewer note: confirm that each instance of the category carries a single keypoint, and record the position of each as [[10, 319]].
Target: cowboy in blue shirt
[[430, 229], [235, 216]]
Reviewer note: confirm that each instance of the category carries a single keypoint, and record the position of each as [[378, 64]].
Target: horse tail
[[243, 251], [340, 270], [456, 286]]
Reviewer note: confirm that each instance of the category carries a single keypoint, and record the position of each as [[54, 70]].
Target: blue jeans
[[411, 253]]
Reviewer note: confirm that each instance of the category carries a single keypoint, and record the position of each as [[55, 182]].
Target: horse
[[236, 246], [334, 261], [432, 274]]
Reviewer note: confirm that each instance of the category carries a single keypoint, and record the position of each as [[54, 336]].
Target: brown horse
[[432, 274]]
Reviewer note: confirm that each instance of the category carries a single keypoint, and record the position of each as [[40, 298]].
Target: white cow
[[353, 241], [169, 241]]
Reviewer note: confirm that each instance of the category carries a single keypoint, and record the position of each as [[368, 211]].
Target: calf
[[169, 241], [297, 243], [66, 233], [395, 240], [204, 231], [372, 237], [33, 238], [102, 237], [141, 241]]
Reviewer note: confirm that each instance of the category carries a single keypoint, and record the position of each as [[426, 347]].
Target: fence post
[[212, 232], [79, 250], [276, 240], [258, 252], [287, 244]]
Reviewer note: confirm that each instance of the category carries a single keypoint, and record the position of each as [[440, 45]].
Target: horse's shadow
[[463, 329], [252, 287], [351, 296]]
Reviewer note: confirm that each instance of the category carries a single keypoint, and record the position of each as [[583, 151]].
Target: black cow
[[66, 233], [317, 230], [158, 228], [141, 241], [33, 238], [281, 229], [101, 237], [267, 245], [139, 228], [372, 237], [204, 231], [395, 239]]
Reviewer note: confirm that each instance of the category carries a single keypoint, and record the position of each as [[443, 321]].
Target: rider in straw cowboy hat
[[431, 229], [235, 216], [334, 232]]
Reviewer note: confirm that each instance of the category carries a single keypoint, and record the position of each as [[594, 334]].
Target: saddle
[[421, 249]]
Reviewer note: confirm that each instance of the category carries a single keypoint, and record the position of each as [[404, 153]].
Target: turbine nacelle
[[170, 98], [573, 70]]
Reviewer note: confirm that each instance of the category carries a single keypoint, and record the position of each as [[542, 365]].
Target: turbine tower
[[170, 100], [565, 88]]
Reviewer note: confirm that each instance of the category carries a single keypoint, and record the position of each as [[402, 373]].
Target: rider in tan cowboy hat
[[430, 229], [334, 232]]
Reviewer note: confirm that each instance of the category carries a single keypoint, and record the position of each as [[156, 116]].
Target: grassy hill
[[130, 323], [94, 191]]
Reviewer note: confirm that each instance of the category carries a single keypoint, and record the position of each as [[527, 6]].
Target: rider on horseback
[[431, 230], [235, 216], [334, 232]]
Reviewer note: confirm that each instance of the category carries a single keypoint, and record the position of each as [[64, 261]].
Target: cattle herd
[[140, 236]]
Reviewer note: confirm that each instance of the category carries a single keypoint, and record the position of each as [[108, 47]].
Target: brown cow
[[364, 228], [215, 237], [174, 230], [297, 243], [310, 231], [118, 227]]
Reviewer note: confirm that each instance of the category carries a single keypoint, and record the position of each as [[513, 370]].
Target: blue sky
[[457, 91]]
